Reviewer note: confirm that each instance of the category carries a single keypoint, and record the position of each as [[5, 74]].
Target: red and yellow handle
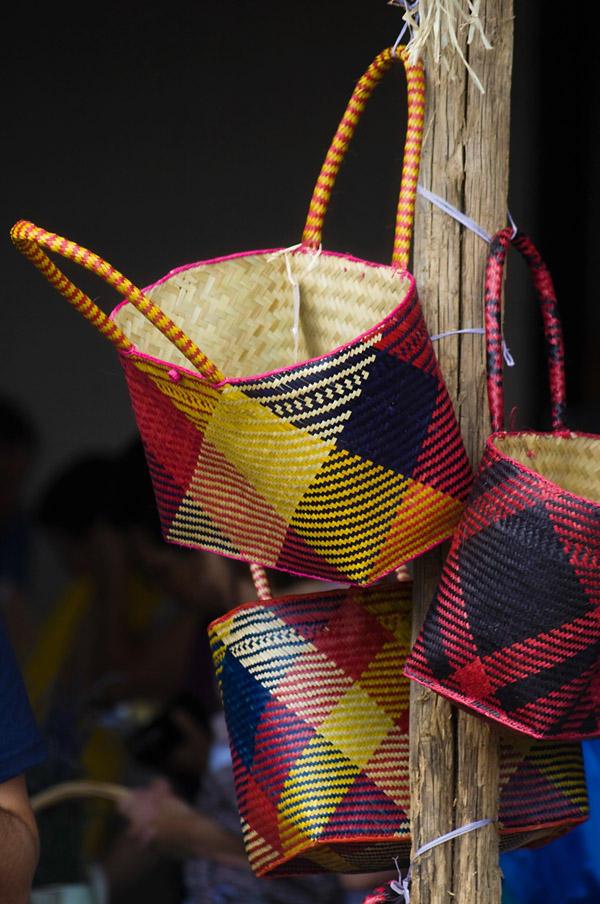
[[415, 79], [33, 242]]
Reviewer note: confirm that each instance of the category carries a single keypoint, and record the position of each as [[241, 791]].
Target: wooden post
[[454, 756]]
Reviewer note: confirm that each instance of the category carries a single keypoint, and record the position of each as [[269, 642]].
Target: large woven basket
[[514, 629], [317, 712], [330, 448]]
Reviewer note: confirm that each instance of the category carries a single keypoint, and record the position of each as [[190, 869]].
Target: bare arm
[[158, 817], [19, 842]]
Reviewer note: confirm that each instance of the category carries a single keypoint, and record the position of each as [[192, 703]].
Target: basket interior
[[241, 311], [571, 462]]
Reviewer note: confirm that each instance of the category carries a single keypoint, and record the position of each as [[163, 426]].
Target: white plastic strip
[[402, 886]]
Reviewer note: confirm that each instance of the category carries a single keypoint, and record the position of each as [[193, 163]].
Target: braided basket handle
[[263, 587], [261, 581], [546, 294], [76, 790], [31, 241], [415, 80]]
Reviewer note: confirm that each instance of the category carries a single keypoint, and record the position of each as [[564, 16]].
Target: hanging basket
[[514, 629], [340, 466], [317, 712]]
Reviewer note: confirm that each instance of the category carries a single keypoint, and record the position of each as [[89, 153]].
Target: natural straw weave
[[330, 450], [514, 629], [317, 712]]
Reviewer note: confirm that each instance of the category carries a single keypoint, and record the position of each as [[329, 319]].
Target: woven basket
[[287, 463], [317, 712], [514, 630]]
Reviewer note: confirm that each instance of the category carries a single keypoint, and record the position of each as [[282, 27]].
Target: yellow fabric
[[54, 642], [102, 756]]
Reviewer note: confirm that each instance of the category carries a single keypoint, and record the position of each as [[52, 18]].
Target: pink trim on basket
[[301, 250], [486, 710], [405, 274], [316, 577]]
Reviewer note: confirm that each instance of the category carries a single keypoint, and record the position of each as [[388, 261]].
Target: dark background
[[159, 134]]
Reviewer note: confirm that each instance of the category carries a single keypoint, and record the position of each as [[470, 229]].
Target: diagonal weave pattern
[[317, 713], [330, 448], [293, 469], [514, 629]]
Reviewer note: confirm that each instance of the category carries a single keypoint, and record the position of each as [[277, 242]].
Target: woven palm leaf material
[[514, 629], [322, 441], [317, 712]]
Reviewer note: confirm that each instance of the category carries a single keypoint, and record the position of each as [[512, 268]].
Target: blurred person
[[124, 647], [205, 833], [207, 837], [18, 443], [125, 624], [21, 747]]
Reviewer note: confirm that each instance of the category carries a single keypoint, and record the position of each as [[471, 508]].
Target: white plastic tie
[[508, 358], [410, 7], [464, 220], [454, 213], [402, 886], [287, 254], [296, 299]]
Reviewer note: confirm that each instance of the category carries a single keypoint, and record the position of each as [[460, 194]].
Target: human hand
[[158, 817]]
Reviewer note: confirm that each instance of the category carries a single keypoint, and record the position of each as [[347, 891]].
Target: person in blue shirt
[[21, 746]]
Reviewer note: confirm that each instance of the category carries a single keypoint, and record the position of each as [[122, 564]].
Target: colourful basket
[[291, 467], [317, 712], [514, 629]]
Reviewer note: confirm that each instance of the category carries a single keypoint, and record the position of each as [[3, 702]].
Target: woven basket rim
[[406, 275], [557, 434], [307, 845], [306, 574], [327, 592], [485, 710], [543, 826], [258, 251], [403, 838]]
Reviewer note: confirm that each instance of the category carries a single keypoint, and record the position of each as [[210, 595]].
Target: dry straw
[[435, 27]]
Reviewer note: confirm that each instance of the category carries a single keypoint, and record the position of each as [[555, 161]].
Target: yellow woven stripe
[[328, 860], [393, 782], [357, 725], [312, 793], [279, 460], [424, 511], [392, 607], [260, 853], [383, 680], [346, 536], [562, 764]]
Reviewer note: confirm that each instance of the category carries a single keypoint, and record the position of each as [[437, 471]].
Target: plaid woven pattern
[[514, 629], [317, 713], [340, 468]]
